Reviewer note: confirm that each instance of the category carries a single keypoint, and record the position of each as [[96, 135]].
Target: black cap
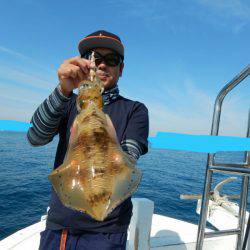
[[101, 39]]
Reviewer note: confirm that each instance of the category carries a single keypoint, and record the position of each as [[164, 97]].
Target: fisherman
[[67, 228]]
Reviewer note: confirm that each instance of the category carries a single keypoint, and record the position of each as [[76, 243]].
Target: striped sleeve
[[46, 119], [135, 141], [132, 147]]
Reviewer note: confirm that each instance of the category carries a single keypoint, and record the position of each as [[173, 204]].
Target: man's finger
[[81, 76], [84, 64], [69, 70], [72, 59]]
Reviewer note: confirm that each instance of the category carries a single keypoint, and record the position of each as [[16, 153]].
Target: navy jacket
[[130, 119]]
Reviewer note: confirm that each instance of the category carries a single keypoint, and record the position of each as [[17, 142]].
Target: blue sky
[[178, 55]]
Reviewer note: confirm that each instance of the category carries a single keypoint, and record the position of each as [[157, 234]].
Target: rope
[[63, 239]]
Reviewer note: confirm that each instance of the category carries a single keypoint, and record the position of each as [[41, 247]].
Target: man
[[66, 227]]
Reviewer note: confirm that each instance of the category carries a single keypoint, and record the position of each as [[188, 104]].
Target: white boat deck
[[165, 233]]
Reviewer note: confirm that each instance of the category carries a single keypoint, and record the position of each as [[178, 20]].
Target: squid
[[96, 175]]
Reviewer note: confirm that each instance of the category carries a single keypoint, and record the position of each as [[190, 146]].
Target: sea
[[25, 188]]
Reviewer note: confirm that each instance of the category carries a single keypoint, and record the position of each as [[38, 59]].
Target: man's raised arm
[[47, 117]]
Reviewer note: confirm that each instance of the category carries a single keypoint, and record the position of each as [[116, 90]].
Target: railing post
[[140, 225]]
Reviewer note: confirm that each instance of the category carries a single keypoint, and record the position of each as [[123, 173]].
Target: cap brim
[[100, 42]]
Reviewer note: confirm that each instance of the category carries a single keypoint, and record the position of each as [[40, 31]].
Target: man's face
[[109, 75]]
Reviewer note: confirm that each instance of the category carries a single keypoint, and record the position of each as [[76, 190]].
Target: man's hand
[[72, 72]]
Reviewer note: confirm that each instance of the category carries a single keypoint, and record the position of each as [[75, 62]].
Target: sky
[[178, 56]]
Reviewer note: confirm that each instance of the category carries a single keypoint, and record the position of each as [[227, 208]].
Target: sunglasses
[[110, 59]]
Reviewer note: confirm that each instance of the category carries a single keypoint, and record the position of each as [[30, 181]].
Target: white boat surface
[[147, 231]]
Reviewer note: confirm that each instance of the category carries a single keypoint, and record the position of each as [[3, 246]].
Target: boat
[[148, 230], [151, 231]]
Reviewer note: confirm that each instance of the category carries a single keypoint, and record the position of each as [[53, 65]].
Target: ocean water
[[25, 189]]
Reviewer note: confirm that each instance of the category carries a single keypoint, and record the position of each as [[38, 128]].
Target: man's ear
[[121, 69]]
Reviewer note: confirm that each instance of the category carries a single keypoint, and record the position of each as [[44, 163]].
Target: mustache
[[102, 73]]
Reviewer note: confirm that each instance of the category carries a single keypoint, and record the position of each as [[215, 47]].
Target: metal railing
[[234, 168]]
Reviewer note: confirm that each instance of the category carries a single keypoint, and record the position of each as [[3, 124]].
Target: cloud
[[21, 69], [181, 16], [26, 77], [150, 12], [189, 109], [12, 108], [182, 106], [228, 8], [16, 112], [14, 53], [25, 59], [231, 15], [18, 94], [19, 103], [191, 113], [24, 85]]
